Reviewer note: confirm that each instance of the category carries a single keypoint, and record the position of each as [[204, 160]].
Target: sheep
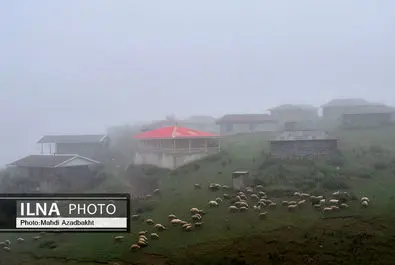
[[188, 228], [261, 194], [259, 187], [218, 200], [317, 206], [142, 233], [214, 187], [243, 197], [272, 205], [154, 236], [297, 194], [36, 237], [333, 201], [135, 217], [292, 202], [233, 209], [118, 238], [365, 203], [213, 203], [292, 207], [336, 193], [301, 202], [243, 209], [7, 248], [175, 221], [334, 208], [194, 210], [156, 191], [344, 205], [238, 198], [304, 195], [327, 209], [196, 217], [148, 196], [285, 203], [2, 244], [254, 196], [201, 212], [183, 223], [224, 187], [263, 215], [172, 216], [257, 208], [226, 196], [199, 224], [142, 243], [7, 242], [134, 247], [249, 190], [244, 204], [197, 186], [322, 201], [149, 222], [160, 227], [143, 237], [365, 199]]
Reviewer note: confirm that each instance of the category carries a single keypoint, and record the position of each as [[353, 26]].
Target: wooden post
[[189, 145], [174, 145]]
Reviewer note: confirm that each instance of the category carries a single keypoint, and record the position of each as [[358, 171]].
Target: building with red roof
[[174, 146]]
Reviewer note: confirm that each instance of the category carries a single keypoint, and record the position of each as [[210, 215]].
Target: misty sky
[[78, 66]]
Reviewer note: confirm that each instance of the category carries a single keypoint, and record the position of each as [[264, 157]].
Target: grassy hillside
[[367, 169]]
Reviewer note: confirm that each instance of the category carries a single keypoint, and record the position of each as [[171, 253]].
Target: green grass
[[243, 152]]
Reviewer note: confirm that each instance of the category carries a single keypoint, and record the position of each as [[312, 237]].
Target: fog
[[80, 66]]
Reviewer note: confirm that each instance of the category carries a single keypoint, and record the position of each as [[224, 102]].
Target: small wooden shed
[[240, 179]]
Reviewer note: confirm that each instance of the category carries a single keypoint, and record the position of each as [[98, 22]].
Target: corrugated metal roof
[[83, 138], [303, 135], [48, 161], [294, 107], [245, 118]]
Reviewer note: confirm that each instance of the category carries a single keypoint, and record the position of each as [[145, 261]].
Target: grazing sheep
[[183, 223], [263, 215], [36, 237], [201, 212], [238, 198], [336, 193], [226, 196], [214, 187], [259, 187], [285, 203], [304, 195], [322, 201], [333, 201], [365, 199], [327, 209], [301, 202], [257, 208], [197, 186], [243, 209], [196, 217], [254, 196], [249, 190], [160, 227], [243, 197], [172, 216], [143, 237], [148, 196], [365, 203], [7, 248], [194, 210], [156, 191], [154, 236], [218, 200], [199, 224], [272, 205], [135, 217], [118, 238], [2, 244], [188, 228], [175, 221], [142, 233], [317, 206], [213, 204], [334, 208], [233, 209], [149, 222], [142, 243], [292, 207], [7, 242], [292, 202], [344, 205], [244, 204], [261, 194], [224, 187], [134, 247], [297, 194]]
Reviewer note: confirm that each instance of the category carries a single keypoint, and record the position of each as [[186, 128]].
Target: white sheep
[[261, 193], [296, 193], [259, 187], [218, 200], [118, 238], [243, 209], [284, 203], [224, 187], [194, 210], [272, 205], [327, 209], [156, 191], [365, 203], [301, 202], [344, 206], [257, 208], [160, 227], [365, 199], [7, 242], [134, 247], [36, 237], [199, 224], [196, 217], [213, 203], [233, 209], [154, 236], [149, 221], [135, 217], [197, 186], [7, 248], [175, 221], [317, 206], [172, 216], [254, 196], [142, 233], [292, 207], [333, 201], [263, 215]]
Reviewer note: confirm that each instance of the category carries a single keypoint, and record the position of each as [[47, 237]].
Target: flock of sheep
[[239, 202]]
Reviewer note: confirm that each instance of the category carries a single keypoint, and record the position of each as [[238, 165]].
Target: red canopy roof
[[173, 132]]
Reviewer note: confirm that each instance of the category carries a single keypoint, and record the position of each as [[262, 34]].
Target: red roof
[[173, 132]]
